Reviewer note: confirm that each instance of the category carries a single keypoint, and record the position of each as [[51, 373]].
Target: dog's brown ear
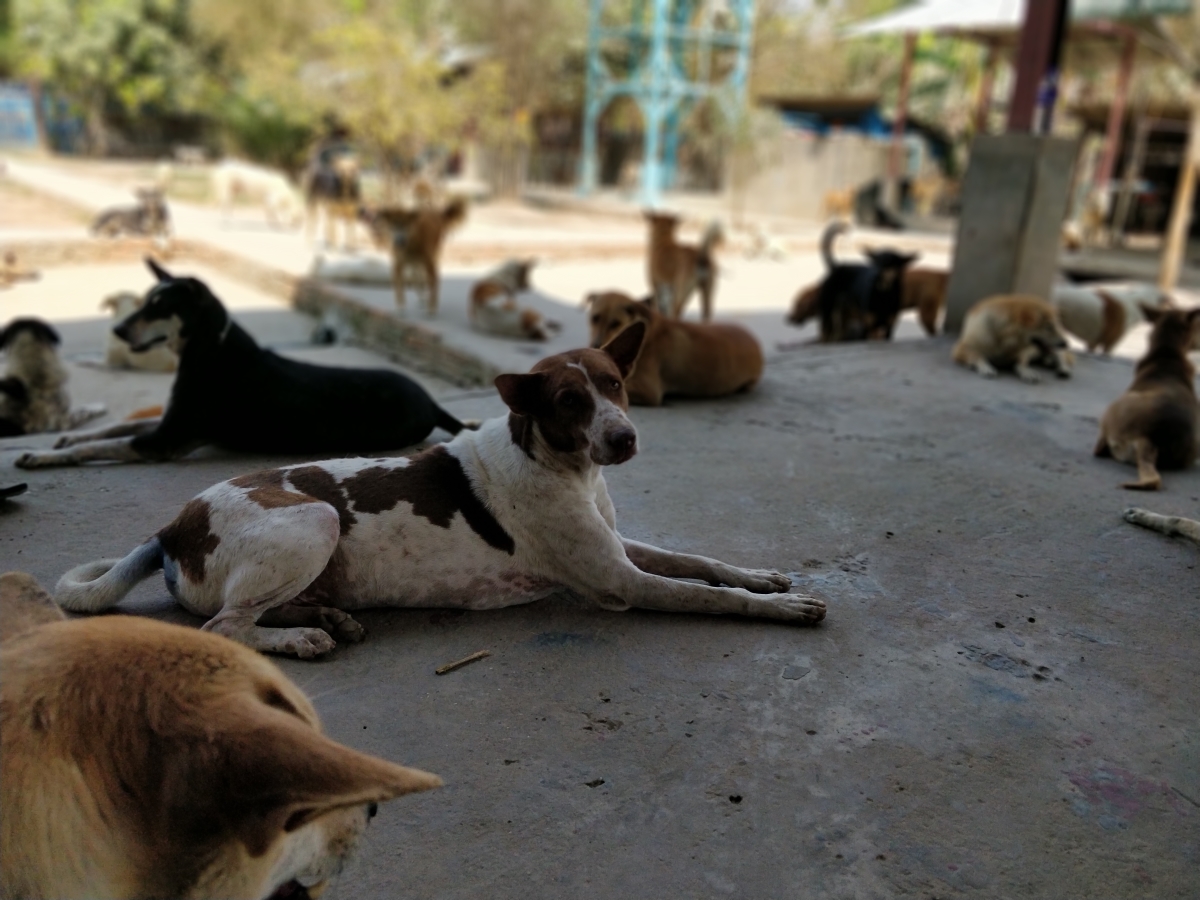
[[522, 393], [273, 772], [159, 272], [587, 300], [626, 346], [24, 605]]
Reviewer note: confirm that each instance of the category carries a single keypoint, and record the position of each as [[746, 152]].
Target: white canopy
[[999, 16]]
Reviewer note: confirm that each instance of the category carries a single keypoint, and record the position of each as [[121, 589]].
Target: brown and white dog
[[33, 393], [1155, 423], [501, 516], [150, 760], [506, 318], [675, 270], [414, 237], [688, 359], [1101, 316], [117, 354], [1013, 331]]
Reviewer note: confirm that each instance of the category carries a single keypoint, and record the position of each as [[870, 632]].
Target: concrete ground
[[1001, 702]]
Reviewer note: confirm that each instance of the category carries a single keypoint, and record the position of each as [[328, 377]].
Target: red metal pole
[[1116, 114], [897, 155], [1037, 59]]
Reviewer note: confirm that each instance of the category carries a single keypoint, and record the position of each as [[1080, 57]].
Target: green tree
[[114, 55]]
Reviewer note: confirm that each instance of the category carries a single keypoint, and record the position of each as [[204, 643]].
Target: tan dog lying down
[[117, 354], [689, 359], [493, 308], [150, 760], [1154, 423], [1013, 332]]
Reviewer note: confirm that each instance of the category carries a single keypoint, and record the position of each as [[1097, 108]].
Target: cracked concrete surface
[[1001, 702]]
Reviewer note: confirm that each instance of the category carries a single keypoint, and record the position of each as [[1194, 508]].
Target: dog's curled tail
[[100, 585], [832, 230]]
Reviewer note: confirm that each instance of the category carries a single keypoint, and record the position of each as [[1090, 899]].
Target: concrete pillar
[[1015, 197]]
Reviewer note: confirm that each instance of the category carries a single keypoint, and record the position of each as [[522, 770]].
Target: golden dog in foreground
[[150, 760]]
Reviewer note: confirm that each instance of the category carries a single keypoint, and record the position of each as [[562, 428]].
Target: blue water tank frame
[[676, 54]]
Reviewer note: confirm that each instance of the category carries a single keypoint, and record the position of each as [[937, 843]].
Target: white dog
[[233, 179], [117, 354], [501, 516], [1100, 315]]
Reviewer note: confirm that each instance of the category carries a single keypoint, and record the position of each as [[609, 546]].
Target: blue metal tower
[[666, 55]]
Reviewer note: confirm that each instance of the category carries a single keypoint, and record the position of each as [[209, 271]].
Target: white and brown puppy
[[33, 393], [687, 359], [1013, 331], [117, 353], [150, 760], [493, 306], [233, 179], [501, 516], [1156, 423], [1101, 316]]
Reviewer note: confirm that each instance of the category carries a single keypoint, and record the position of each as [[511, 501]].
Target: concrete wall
[[792, 176]]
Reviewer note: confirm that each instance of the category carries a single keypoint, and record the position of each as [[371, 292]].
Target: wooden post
[[1185, 191], [1116, 114], [1037, 58], [1181, 209], [983, 103], [895, 160]]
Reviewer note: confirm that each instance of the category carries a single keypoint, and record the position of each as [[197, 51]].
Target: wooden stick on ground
[[466, 660]]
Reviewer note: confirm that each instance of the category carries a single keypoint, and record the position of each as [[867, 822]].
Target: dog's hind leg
[[431, 287], [123, 429], [1147, 457], [277, 560], [1171, 526], [1024, 365], [115, 450]]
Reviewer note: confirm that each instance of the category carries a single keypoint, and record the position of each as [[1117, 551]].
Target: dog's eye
[[614, 385], [568, 399], [595, 320]]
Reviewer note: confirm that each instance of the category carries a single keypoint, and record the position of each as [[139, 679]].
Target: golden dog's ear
[[272, 773], [24, 605], [626, 346], [587, 300], [522, 393]]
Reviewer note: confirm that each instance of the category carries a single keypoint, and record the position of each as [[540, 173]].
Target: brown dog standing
[[684, 358], [415, 238], [1153, 424], [675, 269]]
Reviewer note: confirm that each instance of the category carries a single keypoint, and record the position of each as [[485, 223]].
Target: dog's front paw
[[33, 460], [349, 630], [1028, 376], [799, 609], [764, 581], [306, 643]]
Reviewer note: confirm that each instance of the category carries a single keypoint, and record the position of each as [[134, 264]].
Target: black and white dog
[[231, 393], [860, 301]]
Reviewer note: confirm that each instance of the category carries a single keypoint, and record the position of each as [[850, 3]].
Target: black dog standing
[[232, 393], [860, 301]]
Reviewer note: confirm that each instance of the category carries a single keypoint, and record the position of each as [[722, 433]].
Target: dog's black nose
[[372, 810], [122, 332], [623, 442]]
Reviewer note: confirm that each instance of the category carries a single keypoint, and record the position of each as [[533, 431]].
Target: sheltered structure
[[667, 56]]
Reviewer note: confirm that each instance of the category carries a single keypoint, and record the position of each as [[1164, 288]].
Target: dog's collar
[[225, 331]]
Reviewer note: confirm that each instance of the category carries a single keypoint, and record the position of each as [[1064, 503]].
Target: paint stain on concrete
[[1115, 795]]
